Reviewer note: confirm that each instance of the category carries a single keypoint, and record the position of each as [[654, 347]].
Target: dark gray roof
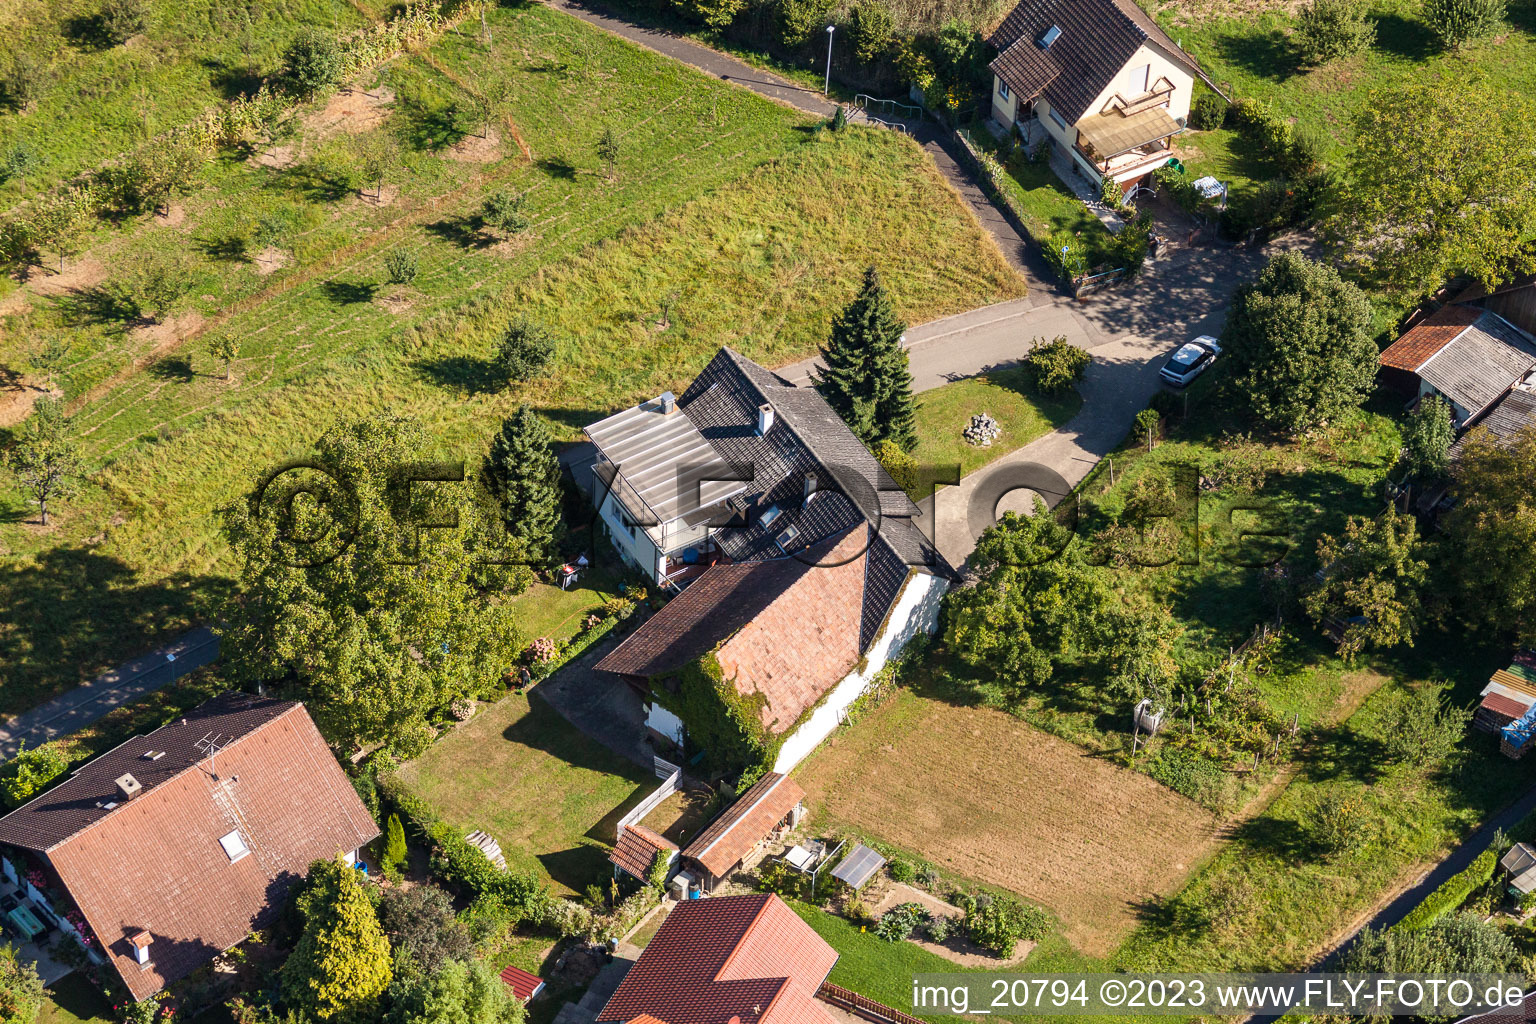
[[858, 866], [1510, 415], [1481, 364], [659, 462], [91, 793], [1098, 38]]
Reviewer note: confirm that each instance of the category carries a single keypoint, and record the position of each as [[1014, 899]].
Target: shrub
[[940, 928], [1452, 893], [1341, 822], [29, 773], [1057, 364], [1427, 438], [856, 910], [394, 844], [421, 923], [401, 265], [714, 13], [870, 28], [1458, 22], [1328, 29], [23, 81], [779, 878], [1148, 421], [503, 210], [1111, 194], [1208, 112], [839, 119], [311, 62], [898, 462], [465, 866], [998, 923], [1131, 244], [899, 922], [122, 19], [19, 161], [526, 348], [902, 871], [799, 20]]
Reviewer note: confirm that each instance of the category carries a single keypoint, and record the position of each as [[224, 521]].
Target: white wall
[[640, 550], [916, 610], [1128, 82], [1004, 111]]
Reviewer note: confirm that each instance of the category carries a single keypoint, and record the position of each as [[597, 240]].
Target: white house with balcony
[[1105, 84]]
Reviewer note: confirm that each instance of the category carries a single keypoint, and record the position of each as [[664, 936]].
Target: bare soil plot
[[986, 796]]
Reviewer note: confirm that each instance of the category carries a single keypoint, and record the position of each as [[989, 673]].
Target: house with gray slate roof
[[798, 566]]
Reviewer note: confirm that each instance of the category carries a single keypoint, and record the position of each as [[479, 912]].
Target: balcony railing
[[1152, 155], [1155, 97]]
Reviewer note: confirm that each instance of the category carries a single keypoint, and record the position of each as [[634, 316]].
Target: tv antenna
[[211, 744]]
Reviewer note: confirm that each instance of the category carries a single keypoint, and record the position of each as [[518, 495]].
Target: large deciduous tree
[[1432, 188], [1428, 437], [1300, 342], [1373, 577], [340, 967], [44, 456], [1492, 531], [21, 990], [460, 993], [420, 923], [1031, 604], [864, 373], [358, 585], [522, 473]]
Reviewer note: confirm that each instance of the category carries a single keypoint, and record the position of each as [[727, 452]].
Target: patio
[[34, 931]]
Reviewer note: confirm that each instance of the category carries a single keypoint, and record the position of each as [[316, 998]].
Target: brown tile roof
[[637, 850], [745, 823], [1429, 336], [523, 985], [1098, 38], [747, 957], [155, 863]]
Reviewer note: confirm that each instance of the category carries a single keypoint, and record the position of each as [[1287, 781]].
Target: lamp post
[[827, 86]]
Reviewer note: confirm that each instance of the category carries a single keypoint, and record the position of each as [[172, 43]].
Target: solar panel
[[858, 866]]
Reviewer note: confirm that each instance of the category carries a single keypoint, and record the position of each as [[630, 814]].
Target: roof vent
[[764, 418], [128, 786], [1048, 37], [668, 403]]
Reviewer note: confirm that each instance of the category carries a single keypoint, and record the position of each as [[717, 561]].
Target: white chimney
[[141, 941], [129, 787], [764, 418], [810, 487], [668, 403]]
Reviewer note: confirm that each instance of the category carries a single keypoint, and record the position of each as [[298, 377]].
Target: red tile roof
[[637, 850], [1504, 705], [728, 956], [523, 985], [1429, 336], [745, 823], [155, 863]]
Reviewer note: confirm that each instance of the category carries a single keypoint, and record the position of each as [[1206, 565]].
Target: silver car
[[1191, 360]]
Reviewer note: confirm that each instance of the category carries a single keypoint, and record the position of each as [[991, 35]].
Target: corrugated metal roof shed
[[859, 866], [663, 461], [1481, 364]]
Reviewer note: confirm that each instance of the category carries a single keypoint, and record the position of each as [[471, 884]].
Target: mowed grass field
[[1022, 413], [983, 795], [550, 795], [728, 220]]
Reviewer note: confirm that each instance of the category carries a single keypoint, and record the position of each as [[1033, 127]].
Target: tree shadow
[[173, 368], [1266, 53], [426, 128], [232, 81], [557, 167], [467, 375], [1281, 837], [88, 32], [1522, 16], [318, 182], [575, 419], [1405, 37], [464, 232], [346, 293], [230, 248], [103, 304]]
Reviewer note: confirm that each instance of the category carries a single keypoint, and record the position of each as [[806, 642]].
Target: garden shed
[[858, 867], [1520, 864]]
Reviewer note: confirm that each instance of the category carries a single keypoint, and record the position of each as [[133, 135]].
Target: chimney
[[668, 403], [128, 787], [764, 419], [141, 941], [810, 487]]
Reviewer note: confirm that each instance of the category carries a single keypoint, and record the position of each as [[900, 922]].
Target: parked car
[[1191, 360]]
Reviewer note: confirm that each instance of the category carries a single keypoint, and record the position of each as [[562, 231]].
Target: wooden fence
[[863, 1006]]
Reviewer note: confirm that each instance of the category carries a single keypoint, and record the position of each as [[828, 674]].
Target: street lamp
[[827, 87]]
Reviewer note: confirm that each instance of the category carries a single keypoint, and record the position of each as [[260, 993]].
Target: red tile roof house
[[177, 844], [733, 958], [820, 577]]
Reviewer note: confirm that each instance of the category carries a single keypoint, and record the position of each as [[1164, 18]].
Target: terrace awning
[[1113, 133], [858, 867]]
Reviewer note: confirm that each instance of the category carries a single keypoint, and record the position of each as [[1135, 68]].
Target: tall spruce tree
[[340, 967], [523, 474], [865, 375]]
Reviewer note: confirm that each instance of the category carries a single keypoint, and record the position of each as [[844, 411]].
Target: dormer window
[[1048, 37], [234, 846], [769, 515], [786, 539]]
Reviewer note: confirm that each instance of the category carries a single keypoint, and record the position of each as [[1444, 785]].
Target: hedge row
[[571, 651], [1453, 892]]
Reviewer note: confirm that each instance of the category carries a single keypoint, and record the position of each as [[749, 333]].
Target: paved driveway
[[599, 704]]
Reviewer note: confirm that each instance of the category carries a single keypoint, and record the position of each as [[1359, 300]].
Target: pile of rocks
[[982, 431]]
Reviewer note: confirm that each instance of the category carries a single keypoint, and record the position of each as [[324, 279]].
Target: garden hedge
[[1452, 893]]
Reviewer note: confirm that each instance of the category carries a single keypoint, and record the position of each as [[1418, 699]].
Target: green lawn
[[1049, 207], [546, 610], [74, 1000], [1232, 158], [1008, 395], [550, 795], [1254, 56], [729, 221]]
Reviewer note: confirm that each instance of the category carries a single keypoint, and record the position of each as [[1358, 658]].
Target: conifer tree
[[865, 375], [523, 474], [340, 967]]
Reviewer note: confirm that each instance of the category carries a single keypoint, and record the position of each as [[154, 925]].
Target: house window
[[1061, 122], [787, 538], [618, 514], [1141, 80], [234, 846], [769, 515], [1002, 89]]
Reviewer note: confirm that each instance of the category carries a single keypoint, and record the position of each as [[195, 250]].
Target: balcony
[[1157, 96], [1122, 145]]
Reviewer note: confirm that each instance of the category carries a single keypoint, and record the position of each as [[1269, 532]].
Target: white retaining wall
[[916, 610]]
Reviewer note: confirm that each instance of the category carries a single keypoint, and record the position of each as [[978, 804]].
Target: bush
[[870, 28], [714, 13], [998, 923], [122, 19], [1131, 244], [465, 866], [1329, 29], [1452, 893], [401, 265], [898, 462], [312, 62], [1208, 112], [902, 871], [394, 844], [779, 878], [526, 348], [1341, 822], [1458, 22], [799, 20], [1111, 194], [899, 922], [30, 772], [839, 119], [19, 161], [940, 928], [1057, 364], [503, 210]]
